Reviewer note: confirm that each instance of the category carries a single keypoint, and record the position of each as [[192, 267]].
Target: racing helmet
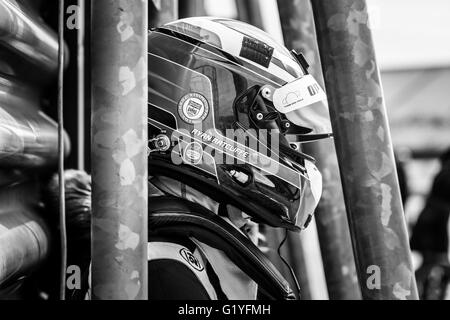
[[224, 103]]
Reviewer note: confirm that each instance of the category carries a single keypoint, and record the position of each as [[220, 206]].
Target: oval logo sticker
[[193, 108], [193, 153], [191, 259]]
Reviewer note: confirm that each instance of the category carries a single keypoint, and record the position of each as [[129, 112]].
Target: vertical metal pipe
[[162, 11], [299, 33], [192, 8], [119, 158], [61, 154], [313, 261], [87, 80], [81, 76], [295, 258], [364, 149], [249, 11], [268, 10]]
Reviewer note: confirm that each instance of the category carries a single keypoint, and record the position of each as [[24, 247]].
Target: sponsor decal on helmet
[[256, 51], [298, 94], [220, 142], [193, 108], [191, 259], [193, 153]]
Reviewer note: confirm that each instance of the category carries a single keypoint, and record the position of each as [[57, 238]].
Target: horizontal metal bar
[[25, 34], [24, 237], [28, 138]]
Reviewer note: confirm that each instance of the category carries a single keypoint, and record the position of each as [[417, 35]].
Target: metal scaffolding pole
[[293, 252], [161, 12], [249, 11], [299, 33], [119, 157], [364, 150], [192, 8], [260, 13], [80, 87]]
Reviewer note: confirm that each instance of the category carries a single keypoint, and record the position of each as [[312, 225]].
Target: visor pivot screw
[[294, 146], [259, 116], [161, 143], [266, 92]]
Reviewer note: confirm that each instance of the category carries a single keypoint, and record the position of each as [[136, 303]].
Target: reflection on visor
[[311, 195]]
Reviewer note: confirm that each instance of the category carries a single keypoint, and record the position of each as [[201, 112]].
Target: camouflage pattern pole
[[364, 149], [299, 34], [162, 11], [119, 157], [249, 11], [192, 8]]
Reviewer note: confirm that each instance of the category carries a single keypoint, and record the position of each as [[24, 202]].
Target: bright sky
[[407, 33], [411, 33]]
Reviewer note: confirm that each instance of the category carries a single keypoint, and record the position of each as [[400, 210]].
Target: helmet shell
[[205, 77]]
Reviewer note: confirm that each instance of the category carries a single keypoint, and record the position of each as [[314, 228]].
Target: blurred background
[[414, 56]]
